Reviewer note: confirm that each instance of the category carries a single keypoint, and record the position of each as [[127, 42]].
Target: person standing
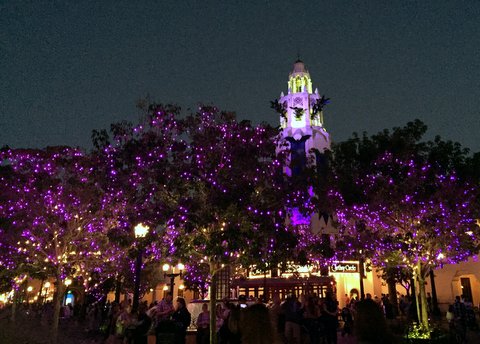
[[460, 318], [330, 316], [165, 308], [429, 303], [293, 318], [234, 321], [224, 334], [203, 325], [277, 318], [164, 327], [182, 319], [141, 326], [346, 300], [370, 325], [256, 325], [311, 313]]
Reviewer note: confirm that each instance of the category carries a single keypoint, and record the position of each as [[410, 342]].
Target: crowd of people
[[460, 317], [307, 319], [168, 321]]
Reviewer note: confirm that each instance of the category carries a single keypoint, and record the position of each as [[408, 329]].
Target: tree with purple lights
[[14, 271], [141, 164], [419, 212], [232, 199], [213, 187], [358, 156], [56, 214]]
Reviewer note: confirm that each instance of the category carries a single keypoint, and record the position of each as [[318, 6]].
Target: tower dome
[[299, 79], [299, 69]]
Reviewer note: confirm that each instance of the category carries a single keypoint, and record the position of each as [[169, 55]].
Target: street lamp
[[172, 275], [29, 290], [140, 232], [181, 288]]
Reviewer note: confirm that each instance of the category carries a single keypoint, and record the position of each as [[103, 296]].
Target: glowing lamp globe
[[141, 230]]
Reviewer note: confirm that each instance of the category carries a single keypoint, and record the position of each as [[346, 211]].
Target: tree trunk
[[414, 296], [422, 300], [392, 295], [57, 304], [136, 289], [213, 304]]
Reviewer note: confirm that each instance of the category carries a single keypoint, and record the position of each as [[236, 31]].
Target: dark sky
[[67, 67]]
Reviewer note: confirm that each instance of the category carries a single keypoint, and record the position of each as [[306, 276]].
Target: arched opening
[[466, 285]]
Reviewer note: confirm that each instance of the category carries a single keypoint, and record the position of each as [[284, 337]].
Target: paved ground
[[32, 330], [346, 339]]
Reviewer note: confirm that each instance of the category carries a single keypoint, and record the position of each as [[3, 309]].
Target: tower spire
[[303, 115]]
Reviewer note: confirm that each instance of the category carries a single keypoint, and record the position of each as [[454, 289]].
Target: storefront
[[268, 287], [347, 275]]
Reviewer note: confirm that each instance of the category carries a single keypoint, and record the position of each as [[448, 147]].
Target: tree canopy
[[407, 200]]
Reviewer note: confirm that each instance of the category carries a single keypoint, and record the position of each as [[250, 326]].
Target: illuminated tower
[[301, 121]]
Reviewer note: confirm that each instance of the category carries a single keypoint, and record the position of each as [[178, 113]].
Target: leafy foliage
[[281, 109], [404, 204], [318, 106], [298, 112]]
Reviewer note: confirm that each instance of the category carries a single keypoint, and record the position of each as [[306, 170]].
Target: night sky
[[67, 67]]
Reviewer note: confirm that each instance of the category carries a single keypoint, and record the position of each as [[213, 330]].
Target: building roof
[[299, 68]]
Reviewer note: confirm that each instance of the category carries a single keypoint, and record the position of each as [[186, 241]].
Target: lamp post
[[361, 272], [140, 232], [172, 275], [68, 283]]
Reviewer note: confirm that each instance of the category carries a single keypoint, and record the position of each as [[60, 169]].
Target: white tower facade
[[301, 121], [304, 133]]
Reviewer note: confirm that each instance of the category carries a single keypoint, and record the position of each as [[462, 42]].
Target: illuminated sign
[[344, 267]]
